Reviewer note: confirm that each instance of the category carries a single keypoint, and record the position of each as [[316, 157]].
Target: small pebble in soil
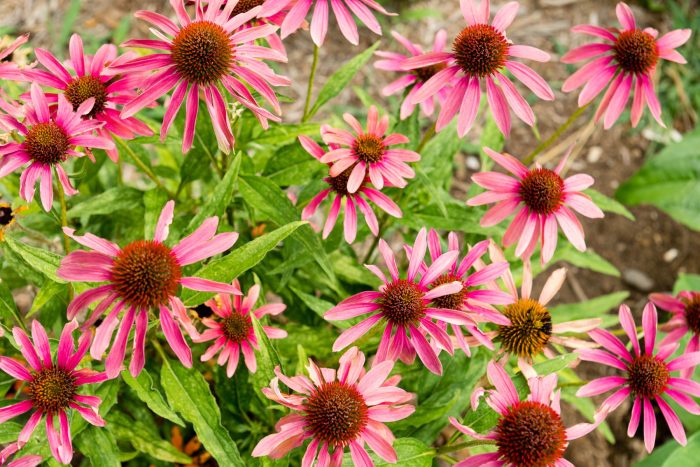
[[638, 279], [671, 254], [473, 163], [594, 154]]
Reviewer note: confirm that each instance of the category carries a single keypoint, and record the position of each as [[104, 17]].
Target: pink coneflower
[[48, 138], [91, 78], [24, 461], [392, 61], [9, 69], [338, 185], [475, 303], [369, 153], [337, 409], [686, 319], [540, 198], [233, 333], [52, 387], [629, 58], [530, 330], [404, 307], [199, 55], [481, 53], [648, 376], [529, 432], [362, 9], [271, 12], [143, 275]]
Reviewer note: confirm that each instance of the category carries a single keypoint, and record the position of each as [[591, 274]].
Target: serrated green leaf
[[608, 204], [670, 181], [40, 260], [221, 197], [99, 447], [189, 394], [145, 389], [340, 79], [144, 439], [114, 199], [238, 261]]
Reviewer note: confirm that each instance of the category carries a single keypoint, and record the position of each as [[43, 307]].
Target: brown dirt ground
[[610, 156]]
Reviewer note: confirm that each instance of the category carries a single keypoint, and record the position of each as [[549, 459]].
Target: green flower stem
[[149, 173], [552, 139], [309, 90], [64, 214], [430, 132]]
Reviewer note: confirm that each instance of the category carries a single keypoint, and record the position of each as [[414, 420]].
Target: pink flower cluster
[[440, 298]]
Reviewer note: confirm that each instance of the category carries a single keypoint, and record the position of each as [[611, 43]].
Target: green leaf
[[410, 452], [267, 357], [144, 439], [584, 259], [46, 294], [40, 260], [287, 133], [238, 261], [145, 389], [8, 308], [114, 199], [221, 197], [318, 305], [670, 181], [269, 199], [555, 364], [672, 454], [9, 431], [460, 217], [687, 282], [341, 78], [609, 204], [153, 201], [189, 394], [99, 446], [292, 165], [595, 307]]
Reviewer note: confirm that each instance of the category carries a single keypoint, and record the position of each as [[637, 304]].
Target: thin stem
[[158, 348], [549, 141], [430, 132], [64, 223], [309, 90], [64, 215], [149, 173], [467, 444], [211, 156], [375, 242]]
